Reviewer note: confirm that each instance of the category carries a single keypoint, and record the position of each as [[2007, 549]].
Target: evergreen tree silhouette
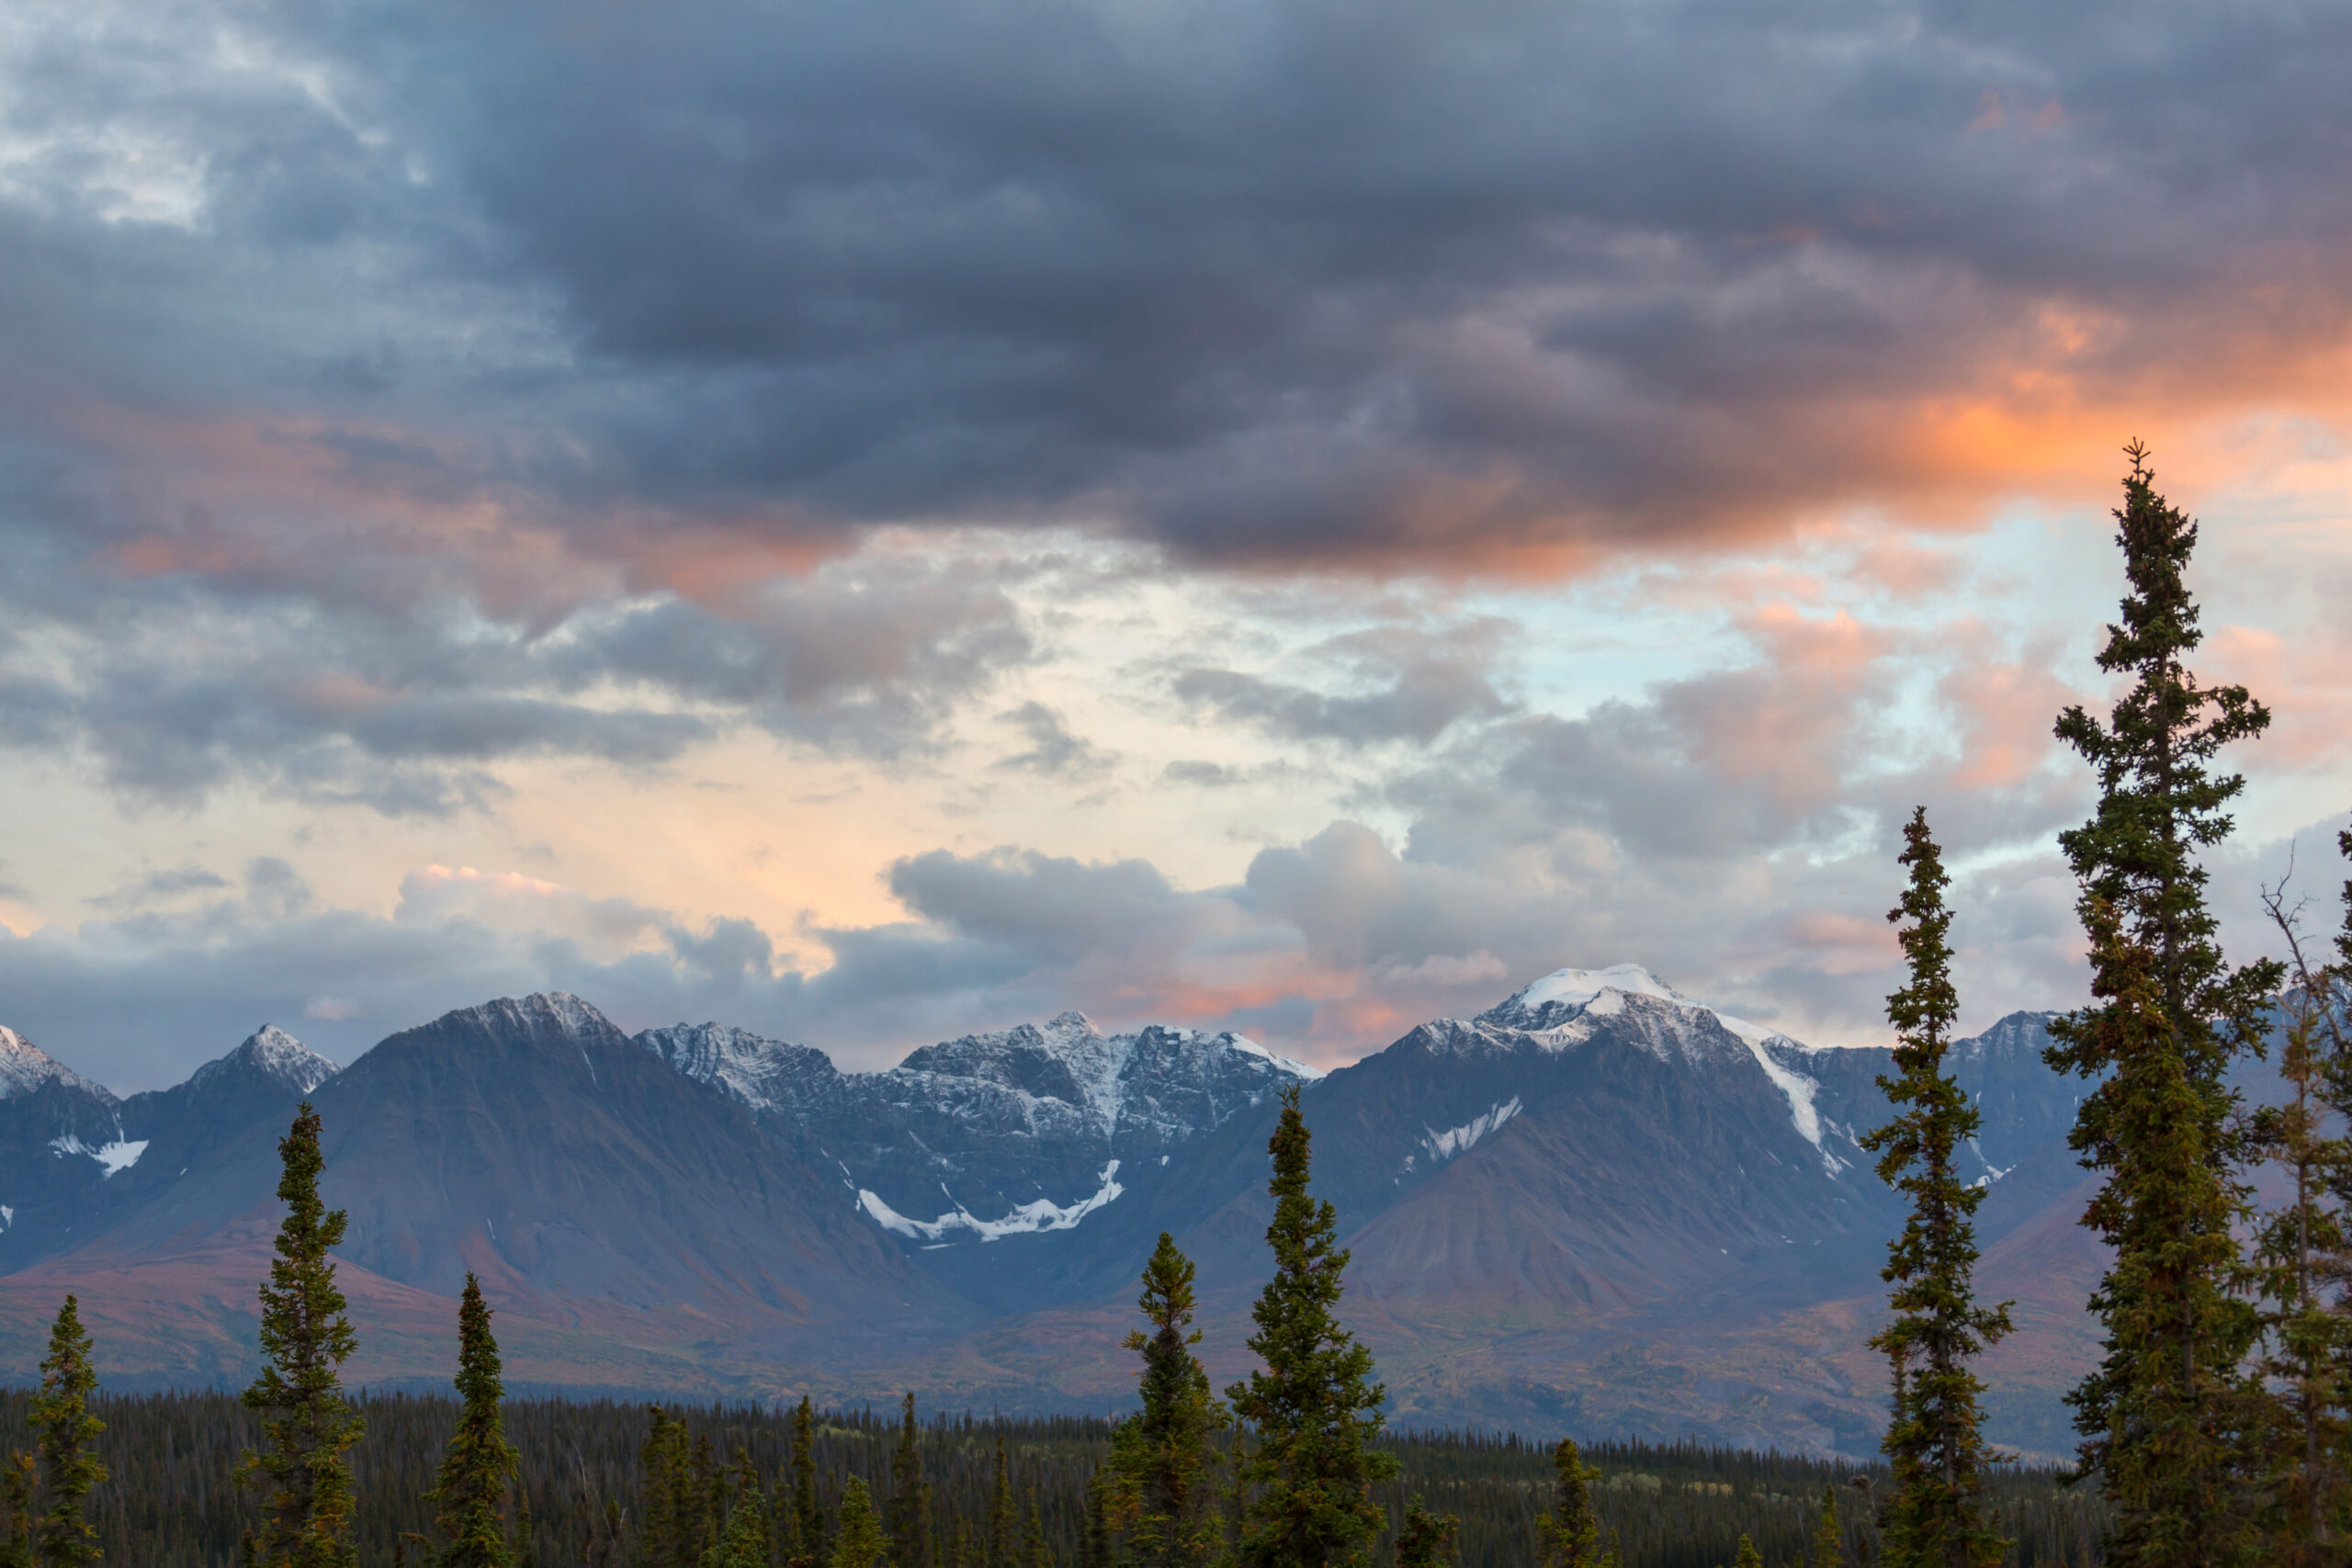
[[62, 1419], [909, 1510], [307, 1426], [1158, 1492], [1569, 1535], [859, 1541], [2303, 1255], [1001, 1521], [2170, 1420], [1315, 1409], [469, 1495], [1827, 1548], [806, 1512], [1425, 1540], [1935, 1437]]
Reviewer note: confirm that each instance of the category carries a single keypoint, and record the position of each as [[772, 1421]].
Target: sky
[[874, 523]]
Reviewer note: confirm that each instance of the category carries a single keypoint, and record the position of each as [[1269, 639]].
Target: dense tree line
[[171, 1499]]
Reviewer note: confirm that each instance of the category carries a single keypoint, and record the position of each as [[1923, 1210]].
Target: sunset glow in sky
[[873, 523]]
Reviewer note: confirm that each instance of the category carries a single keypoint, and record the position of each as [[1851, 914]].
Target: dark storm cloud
[[1261, 281], [593, 322]]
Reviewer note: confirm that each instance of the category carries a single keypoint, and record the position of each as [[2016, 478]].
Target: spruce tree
[[706, 1503], [307, 1425], [1425, 1540], [16, 1505], [656, 1488], [1315, 1408], [909, 1510], [1160, 1487], [2168, 1415], [1001, 1521], [1935, 1440], [2169, 1420], [1748, 1556], [470, 1496], [1034, 1553], [1569, 1536], [859, 1539], [744, 1542], [2299, 1263], [1827, 1549], [806, 1512], [60, 1418]]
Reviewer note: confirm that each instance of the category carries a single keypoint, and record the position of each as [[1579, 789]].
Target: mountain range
[[1599, 1207]]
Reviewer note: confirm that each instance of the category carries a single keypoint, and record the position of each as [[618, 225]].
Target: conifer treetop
[[61, 1416], [2160, 800], [1315, 1408], [308, 1428], [471, 1493]]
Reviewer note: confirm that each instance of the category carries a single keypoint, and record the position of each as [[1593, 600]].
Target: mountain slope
[[1597, 1205]]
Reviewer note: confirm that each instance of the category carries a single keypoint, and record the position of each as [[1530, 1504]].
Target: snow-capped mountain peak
[[25, 1067], [1564, 997], [767, 1076], [1564, 994], [276, 1055]]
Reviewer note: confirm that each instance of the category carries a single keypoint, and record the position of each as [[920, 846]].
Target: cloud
[[1422, 685], [172, 697], [482, 295], [157, 886], [1054, 751]]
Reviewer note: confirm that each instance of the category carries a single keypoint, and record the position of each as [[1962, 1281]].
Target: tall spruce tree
[[1000, 1520], [1425, 1539], [307, 1426], [1160, 1486], [806, 1511], [1034, 1551], [1935, 1437], [2302, 1258], [62, 1420], [909, 1510], [469, 1495], [1827, 1548], [858, 1543], [657, 1480], [2170, 1418], [1569, 1535], [1315, 1408]]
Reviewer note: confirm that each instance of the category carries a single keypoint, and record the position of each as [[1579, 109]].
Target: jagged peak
[[1564, 994], [275, 1053], [25, 1067], [567, 1013]]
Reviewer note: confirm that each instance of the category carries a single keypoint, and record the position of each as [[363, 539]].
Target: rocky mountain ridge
[[1598, 1204]]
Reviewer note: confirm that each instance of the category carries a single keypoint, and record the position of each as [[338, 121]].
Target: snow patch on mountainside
[[1457, 1140], [117, 1155], [1043, 1215]]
